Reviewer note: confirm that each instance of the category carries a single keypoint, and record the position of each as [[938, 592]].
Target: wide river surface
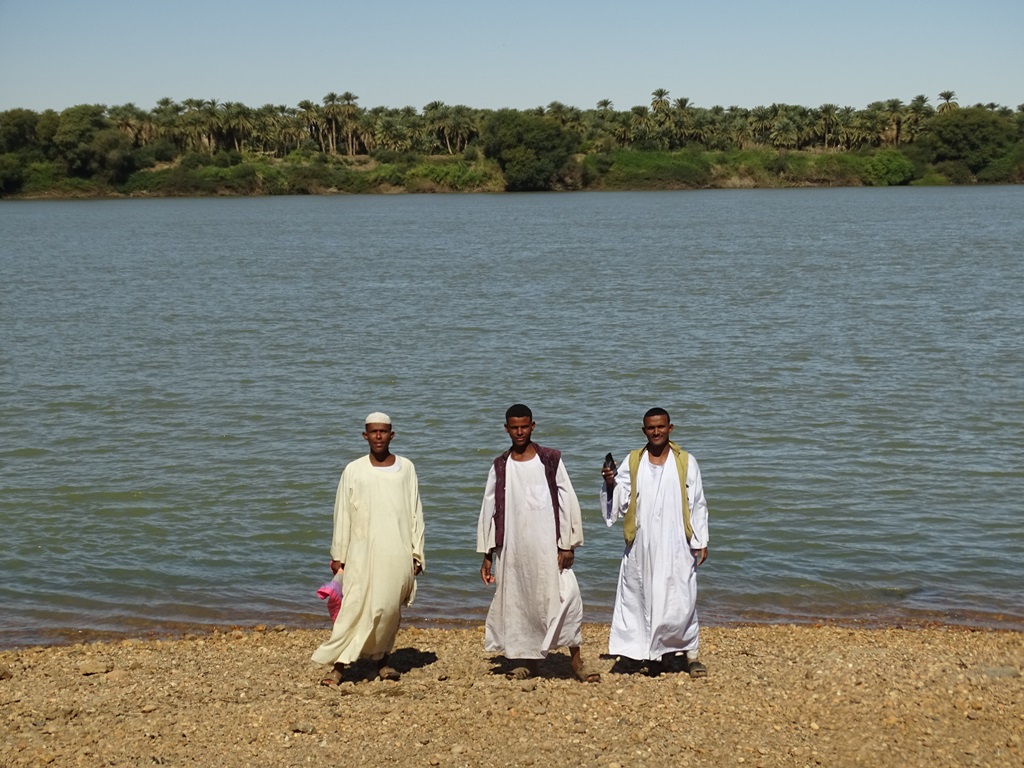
[[182, 381]]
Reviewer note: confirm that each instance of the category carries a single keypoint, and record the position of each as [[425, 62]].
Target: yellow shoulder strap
[[629, 523], [682, 459]]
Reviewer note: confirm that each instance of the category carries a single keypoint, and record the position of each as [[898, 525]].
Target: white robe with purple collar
[[536, 608]]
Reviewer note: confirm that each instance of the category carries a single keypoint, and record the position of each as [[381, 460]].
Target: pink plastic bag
[[331, 592]]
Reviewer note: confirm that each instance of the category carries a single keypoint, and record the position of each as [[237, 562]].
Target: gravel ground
[[775, 696]]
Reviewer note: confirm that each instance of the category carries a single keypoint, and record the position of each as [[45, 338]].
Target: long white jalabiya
[[378, 533], [535, 608], [655, 609]]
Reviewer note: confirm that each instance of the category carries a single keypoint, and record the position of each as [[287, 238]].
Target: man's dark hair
[[658, 412], [518, 411]]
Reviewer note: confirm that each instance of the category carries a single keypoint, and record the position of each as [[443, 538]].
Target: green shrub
[[887, 168], [42, 177], [456, 176], [1008, 169], [930, 179], [957, 171], [227, 159], [686, 168], [841, 169], [146, 182], [195, 160], [393, 157], [799, 166], [389, 175], [316, 179], [530, 148], [12, 174]]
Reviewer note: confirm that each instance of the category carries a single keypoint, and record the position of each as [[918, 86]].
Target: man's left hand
[[565, 559], [700, 555]]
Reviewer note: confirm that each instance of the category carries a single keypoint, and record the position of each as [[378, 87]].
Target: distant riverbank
[[227, 174]]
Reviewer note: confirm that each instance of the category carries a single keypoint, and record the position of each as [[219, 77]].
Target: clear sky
[[518, 53]]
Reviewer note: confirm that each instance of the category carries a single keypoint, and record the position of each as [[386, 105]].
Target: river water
[[181, 382]]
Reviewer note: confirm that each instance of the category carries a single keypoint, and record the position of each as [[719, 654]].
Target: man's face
[[657, 429], [379, 437], [519, 428]]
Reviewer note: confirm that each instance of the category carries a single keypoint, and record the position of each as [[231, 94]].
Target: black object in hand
[[609, 462]]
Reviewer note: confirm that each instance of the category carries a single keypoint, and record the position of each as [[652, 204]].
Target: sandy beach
[[775, 696]]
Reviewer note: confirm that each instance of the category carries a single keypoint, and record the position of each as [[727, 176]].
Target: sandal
[[331, 680], [697, 669], [387, 673], [585, 675], [520, 673]]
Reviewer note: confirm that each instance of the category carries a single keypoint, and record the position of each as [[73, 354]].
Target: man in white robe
[[655, 611], [529, 526], [378, 547]]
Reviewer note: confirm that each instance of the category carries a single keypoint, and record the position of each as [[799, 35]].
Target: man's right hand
[[485, 570]]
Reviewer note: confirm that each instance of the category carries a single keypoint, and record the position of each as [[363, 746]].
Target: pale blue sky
[[525, 53]]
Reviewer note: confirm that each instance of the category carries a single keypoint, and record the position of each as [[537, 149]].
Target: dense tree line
[[205, 146]]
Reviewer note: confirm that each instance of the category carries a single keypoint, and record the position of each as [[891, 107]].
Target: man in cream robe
[[528, 548], [378, 546], [655, 611]]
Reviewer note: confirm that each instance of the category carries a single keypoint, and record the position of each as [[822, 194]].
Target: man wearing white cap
[[378, 546]]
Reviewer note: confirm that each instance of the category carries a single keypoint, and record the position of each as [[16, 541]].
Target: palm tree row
[[339, 126]]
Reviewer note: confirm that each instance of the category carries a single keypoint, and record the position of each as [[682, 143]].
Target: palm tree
[[760, 123], [659, 100], [574, 121], [292, 130], [845, 127], [604, 105], [463, 126], [679, 117], [784, 133], [827, 119], [166, 122], [366, 130], [349, 117], [438, 117], [918, 111], [268, 130], [309, 113], [948, 101], [640, 123], [871, 125], [332, 117], [390, 132], [192, 123], [130, 120], [892, 111], [740, 133], [700, 128], [212, 121], [557, 111], [623, 130], [238, 123]]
